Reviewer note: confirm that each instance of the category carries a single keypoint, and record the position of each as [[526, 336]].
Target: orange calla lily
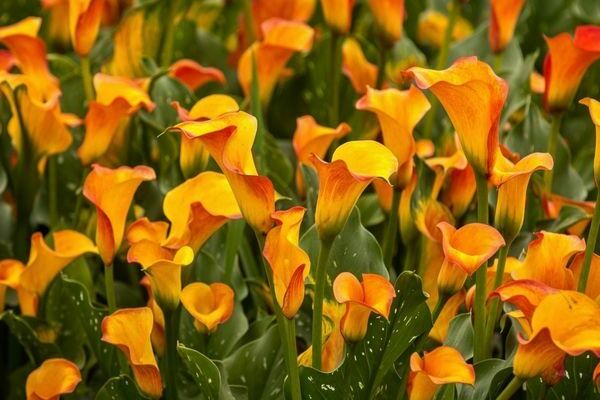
[[290, 264], [111, 191], [129, 329], [229, 138], [281, 40], [463, 255], [511, 264], [291, 10], [513, 180], [398, 113], [210, 305], [163, 267], [547, 258], [593, 284], [10, 272], [594, 108], [198, 208], [458, 193], [553, 204], [55, 377], [473, 97], [373, 294], [444, 165], [504, 15], [194, 75], [356, 67], [354, 165], [116, 99], [525, 294], [84, 23], [58, 13], [312, 138], [439, 331], [338, 14], [193, 156], [428, 215], [432, 26], [158, 337], [565, 64], [443, 365], [389, 18]]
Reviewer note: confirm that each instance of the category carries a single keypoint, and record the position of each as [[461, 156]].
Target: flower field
[[299, 199]]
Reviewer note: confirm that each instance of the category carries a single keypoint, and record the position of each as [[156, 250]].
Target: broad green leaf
[[36, 349], [204, 373], [119, 388], [485, 371], [578, 382], [370, 210], [460, 335]]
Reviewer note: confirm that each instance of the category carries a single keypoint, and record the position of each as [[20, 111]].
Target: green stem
[[79, 201], [86, 78], [166, 48], [495, 303], [439, 306], [391, 234], [480, 274], [249, 21], [52, 192], [498, 62], [590, 246], [292, 359], [552, 149], [256, 110], [109, 283], [171, 359], [235, 231], [321, 282], [334, 77], [511, 389], [381, 67]]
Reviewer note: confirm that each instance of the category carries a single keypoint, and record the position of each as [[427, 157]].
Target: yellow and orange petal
[[10, 273], [194, 75], [158, 337], [389, 18], [443, 365], [84, 23], [592, 289], [55, 377], [504, 15], [439, 331], [594, 108], [432, 26], [338, 14], [361, 72], [210, 305]]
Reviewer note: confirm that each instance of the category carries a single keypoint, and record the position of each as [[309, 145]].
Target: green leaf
[[370, 210], [204, 373], [486, 371], [119, 388], [578, 382], [22, 329], [460, 335]]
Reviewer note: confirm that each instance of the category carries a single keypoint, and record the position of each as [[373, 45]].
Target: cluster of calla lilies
[[453, 199]]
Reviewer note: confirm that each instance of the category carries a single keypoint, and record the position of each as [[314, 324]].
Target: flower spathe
[[289, 263], [210, 305], [111, 191], [356, 67], [374, 294], [194, 75], [443, 365], [473, 97], [129, 329], [432, 26], [504, 15], [594, 108], [354, 165], [55, 377], [10, 273], [389, 18], [229, 138], [398, 112], [338, 14], [158, 337], [85, 17], [565, 64]]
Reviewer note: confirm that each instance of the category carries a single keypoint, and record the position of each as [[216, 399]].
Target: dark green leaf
[[460, 335], [203, 371], [22, 329], [119, 388]]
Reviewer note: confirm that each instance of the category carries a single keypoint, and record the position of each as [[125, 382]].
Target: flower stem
[[109, 284], [334, 77], [590, 246], [171, 361], [52, 192], [86, 78], [321, 282], [439, 306], [480, 274], [235, 231], [511, 389], [292, 359], [166, 48], [381, 67], [391, 234], [552, 149], [495, 305]]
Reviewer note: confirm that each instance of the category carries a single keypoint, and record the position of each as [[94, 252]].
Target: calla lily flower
[[504, 15], [116, 99], [463, 255], [158, 337], [193, 156], [353, 167], [443, 167], [55, 377], [594, 108], [361, 72], [513, 180], [84, 23], [58, 13], [443, 365], [290, 264], [432, 26], [565, 64], [439, 331], [129, 329], [389, 18], [373, 294], [163, 267], [398, 113], [547, 258], [229, 138], [194, 75], [428, 215], [512, 263], [111, 191], [338, 14], [197, 208], [210, 305], [473, 97], [290, 10], [10, 272], [312, 138], [281, 40], [459, 191], [553, 203], [592, 289]]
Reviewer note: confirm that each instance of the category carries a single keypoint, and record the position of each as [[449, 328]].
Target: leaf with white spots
[[119, 388], [22, 329], [202, 371]]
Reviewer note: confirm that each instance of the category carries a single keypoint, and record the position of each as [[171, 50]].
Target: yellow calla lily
[[389, 18], [158, 336], [432, 26], [129, 329], [194, 75], [361, 72], [55, 377], [10, 273], [338, 14], [504, 15], [210, 305], [84, 23], [439, 331], [592, 289], [594, 108]]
